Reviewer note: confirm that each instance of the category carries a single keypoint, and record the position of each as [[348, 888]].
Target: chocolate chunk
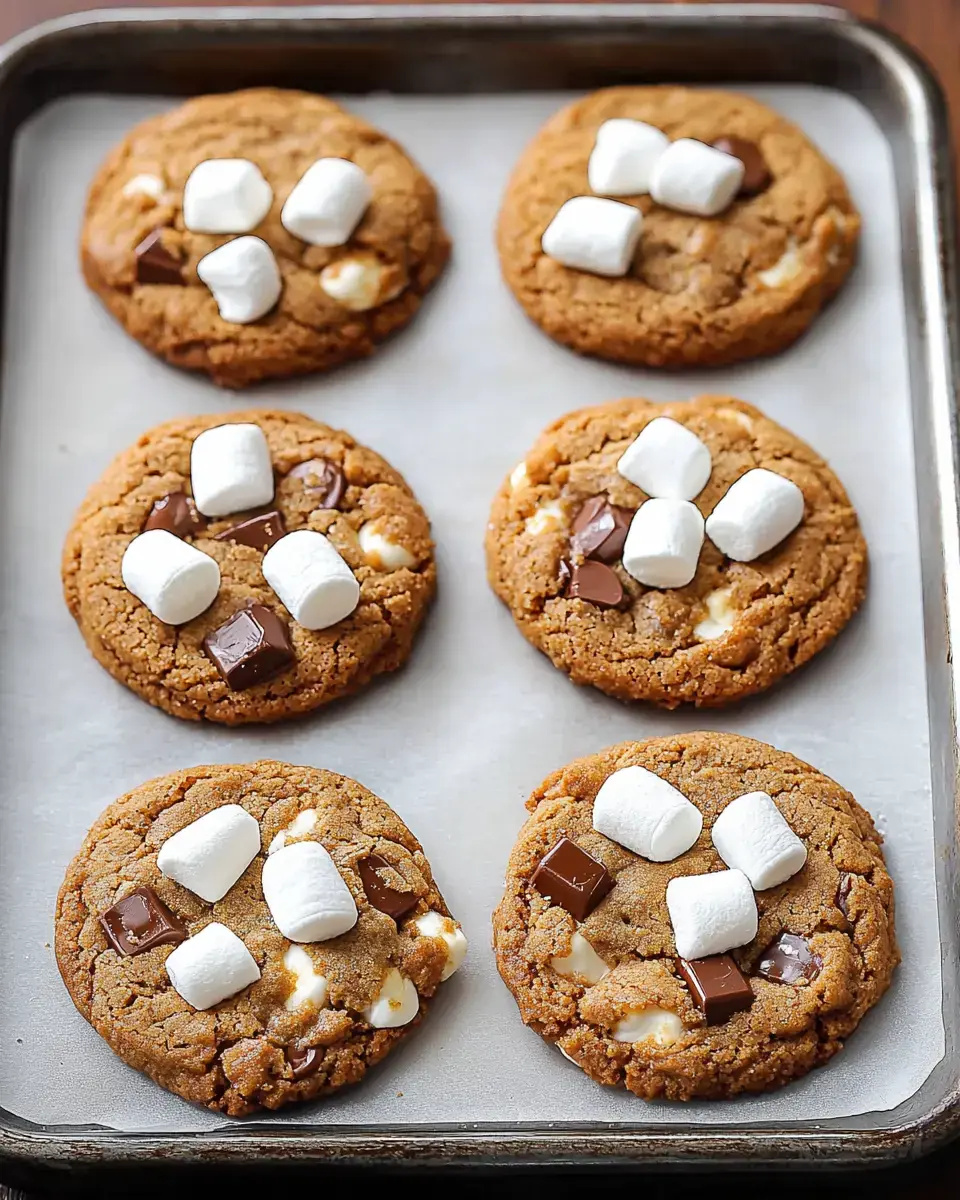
[[323, 477], [141, 921], [177, 514], [304, 1060], [718, 986], [788, 960], [756, 173], [155, 263], [600, 529], [594, 581], [572, 878], [260, 532], [843, 892], [381, 895], [563, 573], [252, 646]]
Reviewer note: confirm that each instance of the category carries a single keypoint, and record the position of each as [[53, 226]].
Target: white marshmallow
[[434, 924], [756, 514], [308, 574], [230, 470], [693, 177], [210, 854], [663, 543], [380, 552], [646, 814], [151, 186], [583, 963], [225, 195], [752, 835], [648, 1024], [309, 986], [326, 205], [211, 966], [397, 1003], [301, 824], [357, 283], [548, 517], [591, 234], [711, 914], [306, 894], [666, 459], [623, 157], [175, 580], [244, 279], [721, 615]]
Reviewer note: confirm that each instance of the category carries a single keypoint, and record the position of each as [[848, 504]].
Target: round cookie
[[324, 481], [809, 992], [700, 290], [287, 1037], [737, 627], [157, 295]]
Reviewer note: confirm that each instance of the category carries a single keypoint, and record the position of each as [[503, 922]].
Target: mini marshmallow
[[175, 580], [230, 470], [151, 186], [301, 824], [359, 284], [663, 543], [380, 552], [209, 855], [225, 195], [243, 278], [306, 894], [646, 814], [434, 924], [752, 835], [548, 517], [326, 205], [693, 177], [711, 914], [666, 459], [721, 615], [211, 966], [591, 234], [756, 514], [308, 574], [583, 963], [648, 1024], [623, 157], [396, 1004], [309, 986]]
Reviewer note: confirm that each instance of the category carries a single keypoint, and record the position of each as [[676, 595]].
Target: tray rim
[[483, 1144]]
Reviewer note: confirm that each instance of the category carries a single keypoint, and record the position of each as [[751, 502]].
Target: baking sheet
[[458, 739]]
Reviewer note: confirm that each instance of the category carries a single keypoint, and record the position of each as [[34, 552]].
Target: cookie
[[710, 625], [270, 1020], [677, 288], [587, 934], [304, 572], [368, 243]]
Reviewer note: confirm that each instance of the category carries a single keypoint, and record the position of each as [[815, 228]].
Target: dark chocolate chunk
[[260, 532], [718, 986], [594, 581], [380, 894], [155, 263], [323, 477], [756, 173], [843, 892], [252, 646], [572, 878], [304, 1060], [141, 921], [176, 513], [788, 960], [600, 529]]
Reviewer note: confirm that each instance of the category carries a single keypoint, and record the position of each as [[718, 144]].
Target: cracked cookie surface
[[701, 291], [840, 903], [283, 132], [167, 665], [737, 627]]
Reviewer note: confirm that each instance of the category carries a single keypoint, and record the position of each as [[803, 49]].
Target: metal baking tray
[[469, 49]]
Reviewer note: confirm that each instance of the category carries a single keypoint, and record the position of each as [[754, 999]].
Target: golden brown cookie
[[700, 290], [314, 1017], [157, 295], [323, 482], [736, 627], [605, 985]]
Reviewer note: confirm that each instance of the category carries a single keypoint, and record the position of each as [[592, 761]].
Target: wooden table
[[933, 28]]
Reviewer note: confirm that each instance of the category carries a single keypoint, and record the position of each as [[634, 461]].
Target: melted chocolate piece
[[323, 477], [600, 529], [177, 514], [141, 921], [595, 582], [155, 263], [304, 1060], [718, 986], [381, 895], [572, 878], [789, 960], [756, 173], [843, 892], [252, 646], [260, 532]]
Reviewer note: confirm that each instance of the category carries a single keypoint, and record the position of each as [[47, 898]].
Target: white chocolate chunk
[[623, 157], [151, 186], [230, 470], [756, 514], [306, 894], [711, 914], [648, 1024], [667, 459], [721, 615], [434, 924], [243, 278], [175, 580], [396, 1004], [301, 824], [787, 267], [210, 854], [225, 195], [591, 234], [356, 283], [309, 986], [643, 812], [695, 178], [380, 552], [582, 964], [548, 517], [740, 418], [327, 204], [518, 476], [663, 543], [211, 966], [752, 835], [307, 573]]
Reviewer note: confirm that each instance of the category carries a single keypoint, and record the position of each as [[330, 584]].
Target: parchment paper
[[459, 738]]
